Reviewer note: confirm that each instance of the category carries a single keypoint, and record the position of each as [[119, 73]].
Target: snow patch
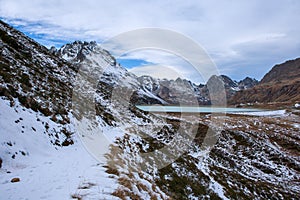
[[263, 113]]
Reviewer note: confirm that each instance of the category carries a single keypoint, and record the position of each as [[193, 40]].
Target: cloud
[[165, 47], [159, 62], [157, 71], [49, 34], [242, 37]]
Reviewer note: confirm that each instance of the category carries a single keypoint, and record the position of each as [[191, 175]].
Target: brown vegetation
[[281, 84]]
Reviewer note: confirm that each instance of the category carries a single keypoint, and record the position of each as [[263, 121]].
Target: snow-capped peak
[[78, 51]]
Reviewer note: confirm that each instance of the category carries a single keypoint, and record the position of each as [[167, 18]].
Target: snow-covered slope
[[45, 171], [38, 144], [36, 114]]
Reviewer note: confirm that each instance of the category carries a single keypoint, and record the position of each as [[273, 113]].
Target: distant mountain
[[287, 71], [280, 84], [177, 91], [247, 83]]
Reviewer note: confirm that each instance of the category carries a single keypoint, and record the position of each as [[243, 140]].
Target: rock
[[14, 180], [0, 162]]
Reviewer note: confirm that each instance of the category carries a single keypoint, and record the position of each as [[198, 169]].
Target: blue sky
[[243, 38], [131, 63]]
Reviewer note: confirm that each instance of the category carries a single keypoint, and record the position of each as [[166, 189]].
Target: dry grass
[[283, 93]]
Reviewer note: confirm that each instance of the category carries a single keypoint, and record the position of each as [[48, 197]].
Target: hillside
[[280, 84], [35, 78], [286, 71], [38, 145]]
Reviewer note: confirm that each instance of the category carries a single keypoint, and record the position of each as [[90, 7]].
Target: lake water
[[195, 109]]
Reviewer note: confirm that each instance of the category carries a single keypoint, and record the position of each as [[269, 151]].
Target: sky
[[243, 38]]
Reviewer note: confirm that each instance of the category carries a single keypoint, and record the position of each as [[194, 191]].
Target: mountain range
[[45, 94]]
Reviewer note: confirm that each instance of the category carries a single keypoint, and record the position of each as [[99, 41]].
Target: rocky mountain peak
[[148, 83], [79, 51], [247, 83], [228, 82]]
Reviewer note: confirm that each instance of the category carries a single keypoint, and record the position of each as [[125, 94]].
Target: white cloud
[[157, 71], [168, 65], [235, 33]]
